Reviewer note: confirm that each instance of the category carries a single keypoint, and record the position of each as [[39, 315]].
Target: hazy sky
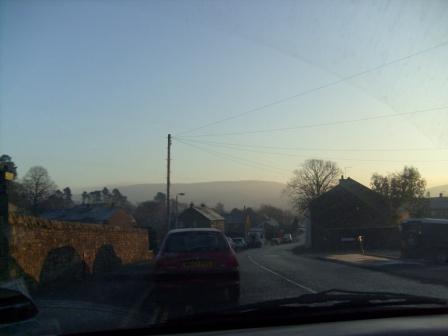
[[90, 89]]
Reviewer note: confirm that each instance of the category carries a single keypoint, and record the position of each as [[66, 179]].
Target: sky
[[248, 89]]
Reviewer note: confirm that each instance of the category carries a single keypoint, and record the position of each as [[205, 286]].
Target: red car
[[192, 262]]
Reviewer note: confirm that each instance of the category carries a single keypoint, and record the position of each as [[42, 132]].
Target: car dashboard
[[420, 325]]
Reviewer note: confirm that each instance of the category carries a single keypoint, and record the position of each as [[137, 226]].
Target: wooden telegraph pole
[[168, 185]]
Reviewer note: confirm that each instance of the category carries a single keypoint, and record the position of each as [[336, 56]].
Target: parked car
[[239, 243], [287, 238], [191, 261], [254, 243], [231, 243]]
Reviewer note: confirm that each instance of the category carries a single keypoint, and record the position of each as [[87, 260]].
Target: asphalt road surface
[[276, 272]]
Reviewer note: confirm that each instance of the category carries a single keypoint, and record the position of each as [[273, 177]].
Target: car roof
[[193, 230]]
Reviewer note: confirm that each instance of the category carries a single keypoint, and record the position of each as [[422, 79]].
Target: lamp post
[[177, 207]]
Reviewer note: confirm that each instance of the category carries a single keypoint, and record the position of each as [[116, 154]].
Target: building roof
[[270, 221], [235, 218], [82, 213], [208, 213], [438, 203], [357, 188], [363, 193], [239, 216]]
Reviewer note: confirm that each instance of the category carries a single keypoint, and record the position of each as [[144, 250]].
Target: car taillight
[[232, 261]]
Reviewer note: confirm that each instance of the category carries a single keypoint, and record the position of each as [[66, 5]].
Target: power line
[[327, 158], [256, 163], [229, 159], [244, 162], [316, 149], [333, 123], [321, 87]]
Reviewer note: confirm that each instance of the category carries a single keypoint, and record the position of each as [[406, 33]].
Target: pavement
[[420, 270], [267, 273], [365, 260]]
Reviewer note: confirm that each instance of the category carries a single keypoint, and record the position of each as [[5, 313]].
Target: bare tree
[[314, 178], [37, 186]]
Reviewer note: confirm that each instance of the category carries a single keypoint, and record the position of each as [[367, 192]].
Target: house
[[235, 224], [97, 214], [268, 221], [240, 222], [438, 207], [347, 211], [200, 217], [262, 224]]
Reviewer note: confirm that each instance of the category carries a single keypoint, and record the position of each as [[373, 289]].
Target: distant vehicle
[[276, 241], [425, 238], [239, 243], [231, 242], [191, 261], [287, 238], [254, 243], [255, 237]]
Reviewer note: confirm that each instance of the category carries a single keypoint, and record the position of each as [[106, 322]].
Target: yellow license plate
[[199, 264]]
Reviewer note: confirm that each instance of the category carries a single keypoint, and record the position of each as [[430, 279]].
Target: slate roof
[[363, 193], [208, 213], [235, 218], [82, 213], [271, 221]]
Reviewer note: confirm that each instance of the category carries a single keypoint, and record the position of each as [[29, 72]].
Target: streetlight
[[177, 206]]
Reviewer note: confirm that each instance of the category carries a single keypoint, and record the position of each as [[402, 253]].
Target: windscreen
[[195, 242], [168, 158]]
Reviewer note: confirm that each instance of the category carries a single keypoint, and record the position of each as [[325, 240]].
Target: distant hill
[[435, 191], [231, 193]]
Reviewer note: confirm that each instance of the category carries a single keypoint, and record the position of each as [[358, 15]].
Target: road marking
[[281, 276]]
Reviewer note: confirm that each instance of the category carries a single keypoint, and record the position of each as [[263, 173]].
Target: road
[[271, 272], [276, 272]]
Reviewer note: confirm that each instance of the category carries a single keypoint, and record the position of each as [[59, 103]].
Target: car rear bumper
[[195, 287]]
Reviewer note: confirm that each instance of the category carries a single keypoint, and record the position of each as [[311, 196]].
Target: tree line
[[36, 192], [106, 197]]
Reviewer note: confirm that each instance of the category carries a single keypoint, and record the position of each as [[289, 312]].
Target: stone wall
[[46, 249]]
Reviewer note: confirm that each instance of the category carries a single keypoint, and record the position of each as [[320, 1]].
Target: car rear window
[[194, 242]]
